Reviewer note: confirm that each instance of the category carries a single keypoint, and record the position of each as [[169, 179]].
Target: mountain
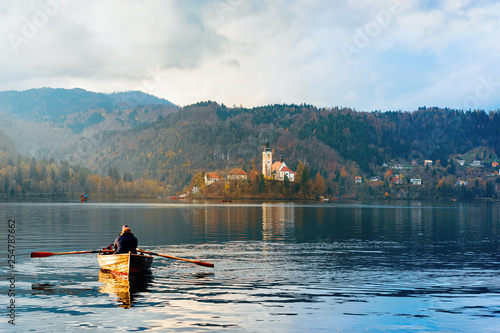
[[49, 104], [42, 122]]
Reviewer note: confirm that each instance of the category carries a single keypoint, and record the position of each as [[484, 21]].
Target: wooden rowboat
[[125, 263]]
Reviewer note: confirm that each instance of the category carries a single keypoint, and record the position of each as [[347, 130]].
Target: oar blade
[[41, 254], [201, 263]]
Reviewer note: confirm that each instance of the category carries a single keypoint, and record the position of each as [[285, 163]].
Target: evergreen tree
[[33, 172], [305, 175], [19, 175], [82, 176], [490, 189], [64, 173], [262, 183], [451, 167]]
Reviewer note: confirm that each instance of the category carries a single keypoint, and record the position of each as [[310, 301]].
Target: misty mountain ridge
[[54, 104], [42, 122]]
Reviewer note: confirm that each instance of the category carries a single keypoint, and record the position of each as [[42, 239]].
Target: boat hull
[[125, 263]]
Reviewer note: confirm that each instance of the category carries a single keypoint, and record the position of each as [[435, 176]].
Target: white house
[[416, 181], [476, 163], [211, 177]]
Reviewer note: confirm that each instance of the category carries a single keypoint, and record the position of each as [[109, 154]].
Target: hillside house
[[358, 180], [462, 183], [397, 180], [476, 164], [494, 165], [428, 162], [211, 177], [237, 174], [416, 181]]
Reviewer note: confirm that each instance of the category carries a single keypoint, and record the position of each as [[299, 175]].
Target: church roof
[[276, 166], [280, 166]]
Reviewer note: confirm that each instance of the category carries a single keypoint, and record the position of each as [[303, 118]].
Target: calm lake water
[[279, 267]]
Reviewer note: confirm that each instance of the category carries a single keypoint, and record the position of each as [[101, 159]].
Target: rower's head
[[126, 229]]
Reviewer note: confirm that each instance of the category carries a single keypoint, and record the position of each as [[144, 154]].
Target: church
[[276, 170]]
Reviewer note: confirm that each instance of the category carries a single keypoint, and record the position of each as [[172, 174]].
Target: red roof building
[[211, 177], [237, 174]]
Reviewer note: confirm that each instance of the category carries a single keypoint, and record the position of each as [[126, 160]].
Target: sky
[[364, 54]]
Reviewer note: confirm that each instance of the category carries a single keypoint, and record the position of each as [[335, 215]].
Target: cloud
[[368, 55]]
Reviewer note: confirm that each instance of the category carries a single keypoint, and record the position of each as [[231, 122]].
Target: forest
[[326, 147]]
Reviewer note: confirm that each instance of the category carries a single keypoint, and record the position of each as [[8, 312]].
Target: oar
[[201, 263], [48, 254]]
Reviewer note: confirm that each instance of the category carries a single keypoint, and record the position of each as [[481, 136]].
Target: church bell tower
[[267, 160]]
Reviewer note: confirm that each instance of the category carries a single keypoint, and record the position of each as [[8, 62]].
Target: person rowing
[[126, 242]]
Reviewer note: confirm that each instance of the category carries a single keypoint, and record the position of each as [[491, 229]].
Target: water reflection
[[126, 289], [278, 221]]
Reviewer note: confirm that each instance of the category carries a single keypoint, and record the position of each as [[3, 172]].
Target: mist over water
[[285, 267]]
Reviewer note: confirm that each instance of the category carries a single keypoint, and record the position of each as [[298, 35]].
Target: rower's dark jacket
[[125, 243]]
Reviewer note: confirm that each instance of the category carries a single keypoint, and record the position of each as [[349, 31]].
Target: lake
[[279, 267]]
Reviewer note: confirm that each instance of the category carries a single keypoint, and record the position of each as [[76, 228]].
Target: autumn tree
[[198, 180], [319, 187], [94, 183], [388, 175], [300, 170]]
